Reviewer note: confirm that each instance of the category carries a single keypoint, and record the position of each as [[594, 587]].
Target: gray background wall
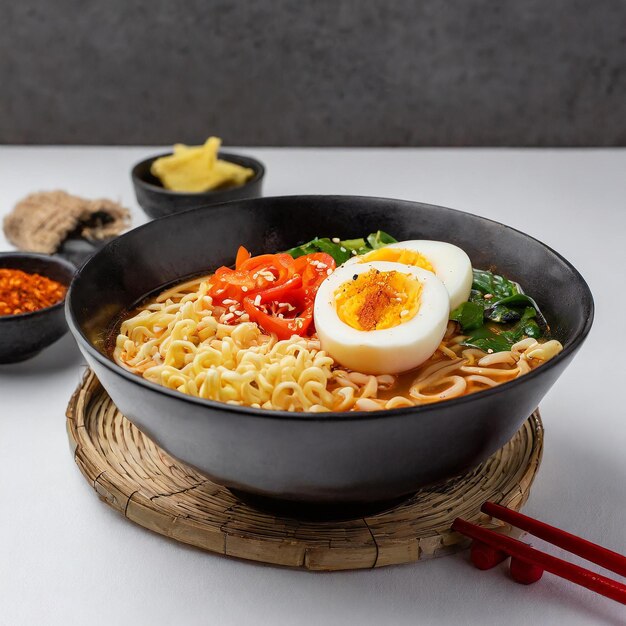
[[283, 72]]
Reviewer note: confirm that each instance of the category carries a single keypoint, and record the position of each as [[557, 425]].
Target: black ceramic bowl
[[157, 201], [343, 458], [25, 335]]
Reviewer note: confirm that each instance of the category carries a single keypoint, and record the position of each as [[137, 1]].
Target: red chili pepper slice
[[242, 255], [281, 266], [281, 293], [273, 316], [227, 283], [314, 268], [276, 291]]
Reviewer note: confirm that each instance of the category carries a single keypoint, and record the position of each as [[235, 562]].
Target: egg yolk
[[399, 255], [376, 300]]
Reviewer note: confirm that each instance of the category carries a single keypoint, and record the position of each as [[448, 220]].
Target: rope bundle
[[42, 221]]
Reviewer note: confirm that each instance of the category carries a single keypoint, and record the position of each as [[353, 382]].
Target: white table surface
[[66, 558]]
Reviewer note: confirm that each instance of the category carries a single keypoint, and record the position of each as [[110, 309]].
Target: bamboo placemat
[[151, 488]]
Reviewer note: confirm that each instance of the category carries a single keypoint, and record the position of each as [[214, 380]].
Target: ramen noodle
[[190, 340]]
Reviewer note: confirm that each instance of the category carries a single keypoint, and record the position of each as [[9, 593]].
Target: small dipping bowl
[[157, 201], [24, 335]]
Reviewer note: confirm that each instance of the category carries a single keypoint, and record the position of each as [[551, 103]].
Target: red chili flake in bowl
[[21, 292]]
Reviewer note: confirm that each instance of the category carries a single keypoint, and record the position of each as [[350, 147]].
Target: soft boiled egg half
[[447, 261], [380, 317]]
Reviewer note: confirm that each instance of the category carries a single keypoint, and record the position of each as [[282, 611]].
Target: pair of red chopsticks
[[528, 564]]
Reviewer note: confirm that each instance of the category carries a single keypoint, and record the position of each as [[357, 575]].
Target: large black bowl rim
[[335, 415], [256, 165], [41, 257]]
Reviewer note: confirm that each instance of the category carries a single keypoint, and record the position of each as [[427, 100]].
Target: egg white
[[451, 264], [390, 350]]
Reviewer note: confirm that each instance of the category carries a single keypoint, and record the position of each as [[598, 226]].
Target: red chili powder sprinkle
[[22, 293]]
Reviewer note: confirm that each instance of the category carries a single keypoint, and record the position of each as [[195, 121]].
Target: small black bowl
[[24, 335], [157, 201]]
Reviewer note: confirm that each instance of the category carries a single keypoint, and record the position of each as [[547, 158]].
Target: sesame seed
[[404, 313], [229, 301], [490, 351], [238, 313], [244, 289], [329, 272], [257, 300], [353, 252], [228, 316], [488, 296], [335, 240], [343, 249], [355, 277]]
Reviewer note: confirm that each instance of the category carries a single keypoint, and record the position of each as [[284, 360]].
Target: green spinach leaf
[[485, 339], [511, 309], [305, 248], [354, 244], [498, 286], [503, 314], [469, 315], [340, 253], [380, 239], [501, 301], [527, 326], [343, 250]]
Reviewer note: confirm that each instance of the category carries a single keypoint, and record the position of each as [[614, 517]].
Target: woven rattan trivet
[[151, 488]]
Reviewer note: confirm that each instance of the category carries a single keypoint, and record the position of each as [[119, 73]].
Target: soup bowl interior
[[337, 459]]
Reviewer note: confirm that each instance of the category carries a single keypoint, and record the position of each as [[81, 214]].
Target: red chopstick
[[523, 553], [581, 547]]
